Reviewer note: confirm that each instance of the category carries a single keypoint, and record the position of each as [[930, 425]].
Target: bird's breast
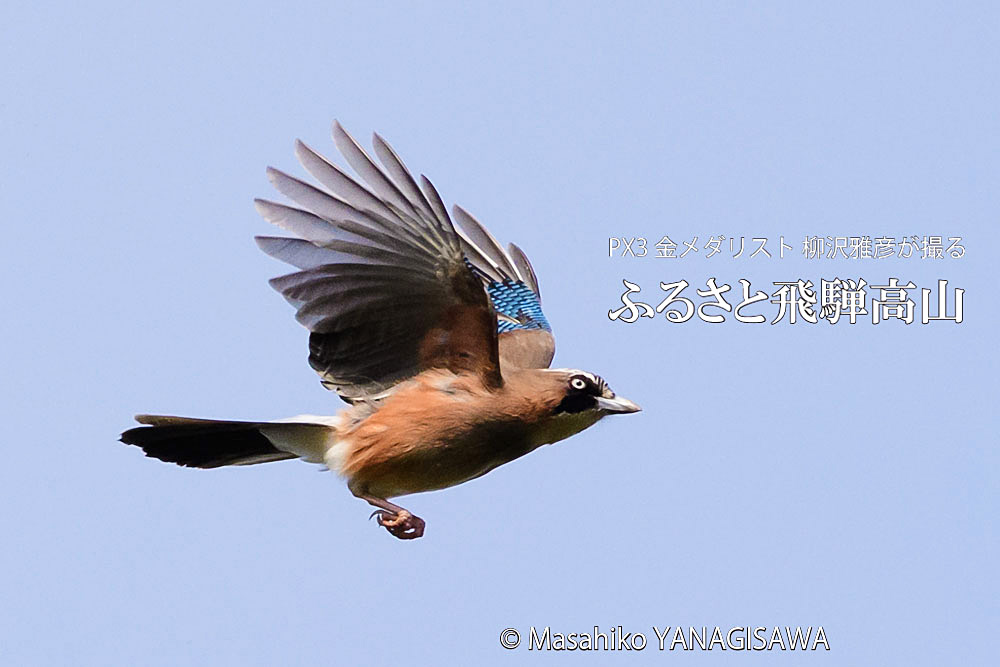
[[387, 461], [442, 429]]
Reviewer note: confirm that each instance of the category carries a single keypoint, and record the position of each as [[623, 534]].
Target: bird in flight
[[430, 330]]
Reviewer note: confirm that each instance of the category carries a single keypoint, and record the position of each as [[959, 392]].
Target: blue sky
[[813, 475]]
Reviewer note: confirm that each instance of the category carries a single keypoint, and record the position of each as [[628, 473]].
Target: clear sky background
[[843, 476]]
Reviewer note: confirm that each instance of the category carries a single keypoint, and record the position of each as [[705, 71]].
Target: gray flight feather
[[480, 238], [381, 265], [524, 268]]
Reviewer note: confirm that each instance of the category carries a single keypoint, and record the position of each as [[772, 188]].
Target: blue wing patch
[[517, 306]]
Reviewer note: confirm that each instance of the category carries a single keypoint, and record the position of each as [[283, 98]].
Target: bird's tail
[[207, 443]]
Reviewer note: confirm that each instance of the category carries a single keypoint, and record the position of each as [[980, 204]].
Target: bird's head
[[574, 400], [586, 392]]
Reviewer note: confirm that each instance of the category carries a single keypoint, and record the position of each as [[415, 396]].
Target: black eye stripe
[[575, 403], [582, 398]]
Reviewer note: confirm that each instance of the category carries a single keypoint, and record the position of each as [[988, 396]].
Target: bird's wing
[[525, 337], [384, 286]]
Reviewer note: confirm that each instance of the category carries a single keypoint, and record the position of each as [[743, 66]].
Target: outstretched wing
[[384, 286], [525, 337]]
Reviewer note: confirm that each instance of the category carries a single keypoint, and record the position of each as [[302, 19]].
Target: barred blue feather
[[518, 305]]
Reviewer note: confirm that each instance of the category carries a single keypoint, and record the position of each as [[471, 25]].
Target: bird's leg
[[397, 520]]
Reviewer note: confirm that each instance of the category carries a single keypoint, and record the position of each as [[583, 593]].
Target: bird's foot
[[400, 524]]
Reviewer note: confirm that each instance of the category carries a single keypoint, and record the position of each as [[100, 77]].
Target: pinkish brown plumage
[[433, 333]]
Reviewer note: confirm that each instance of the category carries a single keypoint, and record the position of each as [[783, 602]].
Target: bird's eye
[[578, 383]]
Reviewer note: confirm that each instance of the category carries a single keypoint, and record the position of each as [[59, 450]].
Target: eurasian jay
[[430, 331]]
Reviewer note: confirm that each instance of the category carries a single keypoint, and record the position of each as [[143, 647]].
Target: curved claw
[[402, 525], [398, 521]]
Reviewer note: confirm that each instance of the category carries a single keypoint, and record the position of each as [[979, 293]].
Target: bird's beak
[[617, 405]]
